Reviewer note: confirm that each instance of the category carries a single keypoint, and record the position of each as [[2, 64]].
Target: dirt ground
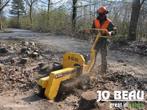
[[22, 52]]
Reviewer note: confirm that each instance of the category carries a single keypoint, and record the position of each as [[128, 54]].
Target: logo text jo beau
[[121, 96]]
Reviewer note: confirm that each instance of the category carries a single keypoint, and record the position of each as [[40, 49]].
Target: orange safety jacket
[[105, 25]]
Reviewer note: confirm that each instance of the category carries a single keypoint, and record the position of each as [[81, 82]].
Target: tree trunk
[[18, 16], [30, 15], [48, 9], [74, 14], [1, 25], [3, 4], [136, 6], [1, 15], [48, 12]]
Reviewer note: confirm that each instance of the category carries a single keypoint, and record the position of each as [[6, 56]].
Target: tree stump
[[3, 50], [23, 61], [88, 100]]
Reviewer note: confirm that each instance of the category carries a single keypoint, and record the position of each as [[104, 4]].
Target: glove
[[112, 33], [105, 32]]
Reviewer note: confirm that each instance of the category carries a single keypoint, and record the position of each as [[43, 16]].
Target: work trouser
[[101, 46]]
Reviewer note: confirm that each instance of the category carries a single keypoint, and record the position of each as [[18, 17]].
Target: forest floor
[[24, 55]]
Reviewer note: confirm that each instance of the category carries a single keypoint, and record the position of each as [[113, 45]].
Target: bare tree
[[48, 8], [136, 7], [30, 3], [3, 4], [74, 13]]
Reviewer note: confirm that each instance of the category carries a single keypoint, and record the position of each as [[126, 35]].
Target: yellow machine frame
[[71, 63]]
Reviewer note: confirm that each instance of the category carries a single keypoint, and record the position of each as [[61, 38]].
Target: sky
[[41, 5]]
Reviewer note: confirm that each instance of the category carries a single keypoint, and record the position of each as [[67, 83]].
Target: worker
[[102, 22]]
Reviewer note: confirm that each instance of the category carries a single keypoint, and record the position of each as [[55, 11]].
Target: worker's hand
[[112, 33], [105, 32]]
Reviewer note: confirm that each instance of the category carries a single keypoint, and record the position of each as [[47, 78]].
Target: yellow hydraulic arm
[[93, 51]]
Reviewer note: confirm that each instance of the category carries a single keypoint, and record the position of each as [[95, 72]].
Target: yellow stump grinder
[[73, 65]]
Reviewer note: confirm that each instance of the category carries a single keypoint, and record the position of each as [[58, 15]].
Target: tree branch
[[142, 2], [5, 4]]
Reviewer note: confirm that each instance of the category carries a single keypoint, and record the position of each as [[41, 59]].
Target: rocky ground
[[24, 59]]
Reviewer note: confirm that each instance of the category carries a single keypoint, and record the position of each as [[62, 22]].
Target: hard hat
[[102, 10]]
